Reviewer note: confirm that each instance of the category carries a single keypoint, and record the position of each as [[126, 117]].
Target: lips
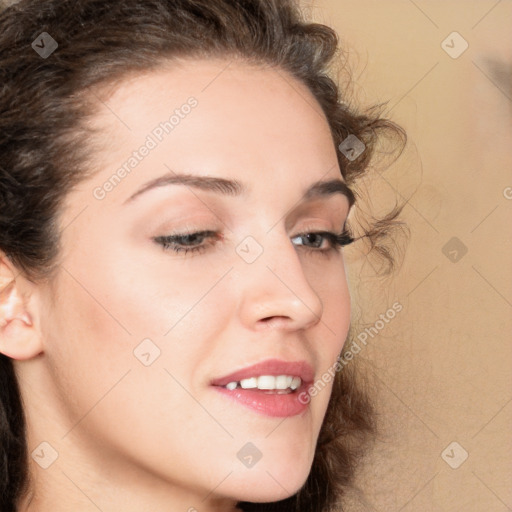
[[274, 367]]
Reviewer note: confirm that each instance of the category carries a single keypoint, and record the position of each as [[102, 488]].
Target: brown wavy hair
[[44, 152]]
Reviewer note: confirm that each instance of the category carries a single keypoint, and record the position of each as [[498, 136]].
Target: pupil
[[311, 238], [189, 239]]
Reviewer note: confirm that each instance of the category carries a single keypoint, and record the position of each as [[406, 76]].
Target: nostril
[[273, 321]]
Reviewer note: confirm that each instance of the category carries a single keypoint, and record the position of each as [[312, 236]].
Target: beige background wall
[[442, 367]]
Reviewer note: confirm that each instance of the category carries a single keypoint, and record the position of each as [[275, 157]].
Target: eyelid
[[320, 225], [319, 210]]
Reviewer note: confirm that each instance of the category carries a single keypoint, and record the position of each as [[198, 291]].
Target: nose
[[274, 290]]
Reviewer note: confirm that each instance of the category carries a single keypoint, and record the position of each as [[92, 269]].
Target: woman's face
[[134, 333]]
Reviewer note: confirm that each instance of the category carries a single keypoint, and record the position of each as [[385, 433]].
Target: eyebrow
[[230, 187]]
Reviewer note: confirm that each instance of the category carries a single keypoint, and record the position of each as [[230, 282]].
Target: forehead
[[252, 124], [243, 111]]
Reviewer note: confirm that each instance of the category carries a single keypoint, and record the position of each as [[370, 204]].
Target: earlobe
[[19, 338]]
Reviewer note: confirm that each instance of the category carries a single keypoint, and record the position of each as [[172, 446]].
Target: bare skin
[[133, 437]]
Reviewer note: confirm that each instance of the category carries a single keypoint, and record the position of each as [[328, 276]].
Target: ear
[[19, 337]]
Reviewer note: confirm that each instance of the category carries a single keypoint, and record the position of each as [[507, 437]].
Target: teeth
[[249, 383], [266, 382], [296, 382], [282, 382]]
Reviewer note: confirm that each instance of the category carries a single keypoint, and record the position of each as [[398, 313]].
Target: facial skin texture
[[138, 438]]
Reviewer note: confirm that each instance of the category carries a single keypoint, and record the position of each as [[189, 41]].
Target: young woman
[[175, 182]]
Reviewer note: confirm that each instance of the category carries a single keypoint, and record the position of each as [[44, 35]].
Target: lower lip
[[270, 404]]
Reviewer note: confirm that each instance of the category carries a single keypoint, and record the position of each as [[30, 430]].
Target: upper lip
[[274, 367]]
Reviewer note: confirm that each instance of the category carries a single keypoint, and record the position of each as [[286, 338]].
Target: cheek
[[332, 332], [109, 315], [115, 324], [332, 288], [108, 393]]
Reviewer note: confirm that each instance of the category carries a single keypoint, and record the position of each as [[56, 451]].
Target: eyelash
[[172, 242]]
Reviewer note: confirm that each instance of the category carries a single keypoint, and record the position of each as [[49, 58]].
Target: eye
[[186, 242], [318, 238]]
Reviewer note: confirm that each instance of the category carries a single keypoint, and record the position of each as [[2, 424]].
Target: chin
[[275, 485]]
